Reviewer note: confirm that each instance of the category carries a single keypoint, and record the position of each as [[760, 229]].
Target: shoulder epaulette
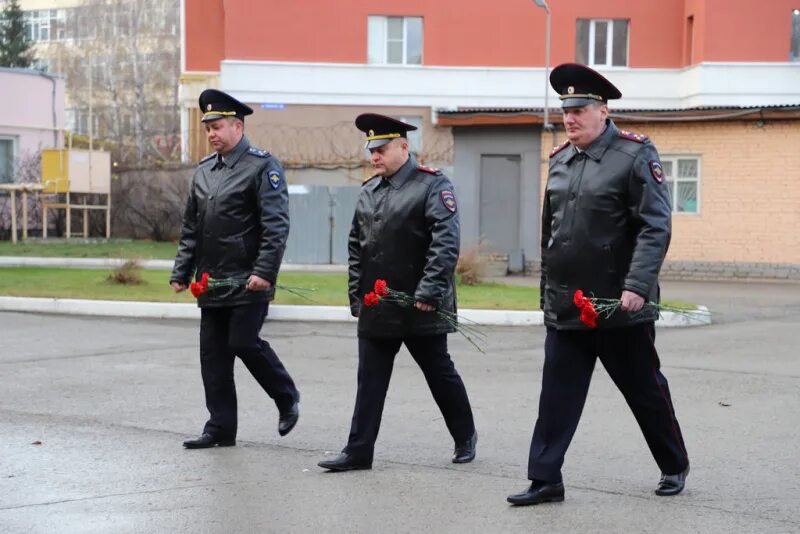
[[368, 180], [559, 148], [429, 170], [209, 157], [639, 138], [258, 152]]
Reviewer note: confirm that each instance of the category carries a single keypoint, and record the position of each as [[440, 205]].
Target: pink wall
[[26, 109]]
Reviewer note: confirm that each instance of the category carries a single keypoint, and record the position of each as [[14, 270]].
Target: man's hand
[[177, 287], [256, 283], [630, 301], [422, 306]]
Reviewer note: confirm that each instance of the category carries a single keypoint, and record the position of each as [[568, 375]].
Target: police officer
[[605, 231], [235, 228], [406, 231]]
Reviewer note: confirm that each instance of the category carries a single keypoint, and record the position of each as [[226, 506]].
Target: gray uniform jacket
[[605, 226], [406, 231], [236, 224]]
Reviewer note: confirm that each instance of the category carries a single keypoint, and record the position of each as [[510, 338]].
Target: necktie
[[220, 163]]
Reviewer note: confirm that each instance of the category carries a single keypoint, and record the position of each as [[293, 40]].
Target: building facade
[[27, 129], [715, 84], [121, 60]]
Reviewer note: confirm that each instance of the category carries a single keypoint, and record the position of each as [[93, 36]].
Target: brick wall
[[749, 211]]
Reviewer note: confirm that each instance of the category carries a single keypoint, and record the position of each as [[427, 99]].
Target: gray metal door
[[500, 203], [344, 206], [309, 225], [320, 218]]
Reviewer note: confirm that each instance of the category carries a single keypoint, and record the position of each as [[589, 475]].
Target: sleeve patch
[[274, 179], [449, 200], [656, 170]]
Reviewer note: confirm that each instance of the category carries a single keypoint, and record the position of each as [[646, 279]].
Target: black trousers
[[629, 355], [224, 334], [375, 362]]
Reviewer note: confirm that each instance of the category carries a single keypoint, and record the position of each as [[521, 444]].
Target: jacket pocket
[[559, 300]]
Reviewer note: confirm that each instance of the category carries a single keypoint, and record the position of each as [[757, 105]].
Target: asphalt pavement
[[93, 411]]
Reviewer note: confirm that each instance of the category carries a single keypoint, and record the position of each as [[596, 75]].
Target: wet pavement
[[93, 412]]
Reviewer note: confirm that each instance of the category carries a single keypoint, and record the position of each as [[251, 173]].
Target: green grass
[[142, 249], [330, 289]]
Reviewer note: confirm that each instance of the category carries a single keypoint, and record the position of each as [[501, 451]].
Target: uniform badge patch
[[449, 200], [274, 179], [657, 171]]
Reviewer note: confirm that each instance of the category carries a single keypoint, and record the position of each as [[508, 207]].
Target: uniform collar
[[598, 147], [235, 155], [403, 173]]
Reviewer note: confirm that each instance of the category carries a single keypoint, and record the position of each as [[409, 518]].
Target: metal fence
[[320, 223]]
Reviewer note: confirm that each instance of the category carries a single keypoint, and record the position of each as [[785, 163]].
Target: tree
[[122, 60], [15, 47]]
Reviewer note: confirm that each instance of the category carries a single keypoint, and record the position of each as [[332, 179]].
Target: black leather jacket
[[236, 224], [405, 230], [605, 226]]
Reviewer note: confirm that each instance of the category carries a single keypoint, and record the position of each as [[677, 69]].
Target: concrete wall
[[320, 145], [470, 144]]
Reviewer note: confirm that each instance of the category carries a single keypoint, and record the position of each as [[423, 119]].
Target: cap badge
[[371, 133], [208, 107], [570, 90]]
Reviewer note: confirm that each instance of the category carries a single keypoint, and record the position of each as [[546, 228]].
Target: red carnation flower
[[589, 316], [197, 289], [371, 299], [381, 288]]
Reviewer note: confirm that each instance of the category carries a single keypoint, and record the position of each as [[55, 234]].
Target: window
[[602, 42], [45, 24], [7, 159], [414, 136], [683, 180], [794, 52], [396, 40]]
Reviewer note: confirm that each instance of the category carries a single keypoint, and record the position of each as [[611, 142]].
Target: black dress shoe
[[465, 452], [672, 484], [345, 462], [288, 419], [538, 493], [206, 441]]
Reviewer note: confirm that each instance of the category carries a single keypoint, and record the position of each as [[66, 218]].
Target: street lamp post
[[543, 4]]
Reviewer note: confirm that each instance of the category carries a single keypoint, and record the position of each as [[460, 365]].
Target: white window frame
[[609, 44], [53, 19], [415, 140], [383, 20], [674, 180], [14, 142]]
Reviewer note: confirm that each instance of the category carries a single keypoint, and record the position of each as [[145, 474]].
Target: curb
[[156, 265], [282, 312]]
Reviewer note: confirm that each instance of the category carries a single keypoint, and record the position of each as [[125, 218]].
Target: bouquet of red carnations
[[207, 284], [383, 293], [593, 308]]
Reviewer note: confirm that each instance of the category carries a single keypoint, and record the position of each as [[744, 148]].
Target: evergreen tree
[[15, 47]]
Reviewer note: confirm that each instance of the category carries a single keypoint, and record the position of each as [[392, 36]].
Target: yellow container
[[55, 171], [76, 171]]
